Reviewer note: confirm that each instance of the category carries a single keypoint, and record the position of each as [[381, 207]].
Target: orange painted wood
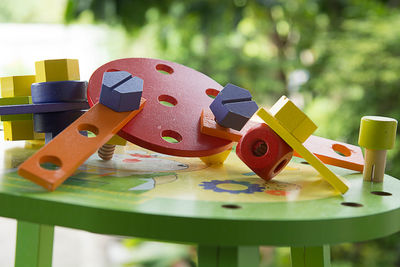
[[209, 126], [324, 149], [70, 149]]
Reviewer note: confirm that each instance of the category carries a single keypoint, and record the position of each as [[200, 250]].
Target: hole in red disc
[[171, 136], [212, 93], [164, 69], [167, 100]]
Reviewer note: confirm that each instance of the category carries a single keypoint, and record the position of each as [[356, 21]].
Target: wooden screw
[[377, 135]]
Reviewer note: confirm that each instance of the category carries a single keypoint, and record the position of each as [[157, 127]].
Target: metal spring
[[106, 152]]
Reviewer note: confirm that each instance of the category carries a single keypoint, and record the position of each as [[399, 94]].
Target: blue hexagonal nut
[[233, 107], [120, 91]]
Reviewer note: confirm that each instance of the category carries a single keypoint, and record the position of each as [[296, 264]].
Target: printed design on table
[[278, 188], [232, 187]]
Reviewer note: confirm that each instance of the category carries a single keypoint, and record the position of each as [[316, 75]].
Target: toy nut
[[377, 133], [263, 151]]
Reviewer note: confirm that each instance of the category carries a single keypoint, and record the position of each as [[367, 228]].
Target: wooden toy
[[20, 130], [60, 91], [216, 159], [328, 151], [54, 122], [16, 85], [170, 129], [233, 107], [263, 151], [42, 108], [57, 70], [293, 119], [337, 182], [377, 135], [5, 101], [67, 156], [106, 152], [120, 91], [335, 153], [209, 126]]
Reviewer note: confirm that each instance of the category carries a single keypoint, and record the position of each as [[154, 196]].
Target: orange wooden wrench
[[70, 149]]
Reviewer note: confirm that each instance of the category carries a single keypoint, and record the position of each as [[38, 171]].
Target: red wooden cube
[[263, 151]]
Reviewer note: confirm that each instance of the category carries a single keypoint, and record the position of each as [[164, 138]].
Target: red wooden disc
[[173, 84]]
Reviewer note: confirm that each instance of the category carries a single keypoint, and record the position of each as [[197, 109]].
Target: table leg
[[311, 256], [34, 245], [216, 256]]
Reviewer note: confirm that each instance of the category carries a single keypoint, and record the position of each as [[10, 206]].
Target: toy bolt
[[377, 135]]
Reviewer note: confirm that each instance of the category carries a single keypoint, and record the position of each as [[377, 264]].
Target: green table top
[[145, 194]]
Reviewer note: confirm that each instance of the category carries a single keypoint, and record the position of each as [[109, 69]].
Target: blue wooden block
[[235, 115], [54, 122], [120, 91], [42, 108], [61, 91], [233, 107]]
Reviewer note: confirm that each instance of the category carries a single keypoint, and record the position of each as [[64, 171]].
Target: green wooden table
[[226, 210]]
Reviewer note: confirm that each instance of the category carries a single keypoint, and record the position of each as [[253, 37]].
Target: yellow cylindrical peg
[[377, 135]]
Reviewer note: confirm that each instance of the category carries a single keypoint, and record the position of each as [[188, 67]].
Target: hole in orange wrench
[[171, 136], [164, 69], [260, 148], [341, 150], [88, 130], [280, 166], [167, 100], [51, 163], [212, 93]]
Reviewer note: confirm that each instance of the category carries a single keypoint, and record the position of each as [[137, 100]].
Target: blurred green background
[[338, 60]]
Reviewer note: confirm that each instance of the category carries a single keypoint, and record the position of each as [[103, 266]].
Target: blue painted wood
[[54, 122], [61, 91], [42, 108], [120, 91], [233, 107]]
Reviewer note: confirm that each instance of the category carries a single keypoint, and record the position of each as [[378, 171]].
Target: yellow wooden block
[[287, 113], [57, 70], [304, 130], [217, 158], [16, 85], [117, 140], [293, 119], [337, 182], [20, 130]]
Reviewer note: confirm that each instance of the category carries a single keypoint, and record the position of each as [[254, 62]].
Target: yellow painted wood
[[293, 119], [20, 130], [287, 113], [378, 133], [337, 182], [375, 164], [16, 85], [304, 130], [57, 70], [217, 158], [117, 140]]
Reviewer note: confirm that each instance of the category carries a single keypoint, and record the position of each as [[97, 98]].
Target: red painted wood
[[179, 85], [266, 162]]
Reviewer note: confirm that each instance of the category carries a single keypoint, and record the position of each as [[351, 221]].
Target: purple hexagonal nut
[[120, 91]]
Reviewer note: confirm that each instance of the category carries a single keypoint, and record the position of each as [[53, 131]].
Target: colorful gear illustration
[[213, 185]]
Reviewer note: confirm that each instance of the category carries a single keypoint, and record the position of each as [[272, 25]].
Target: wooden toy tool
[[328, 151], [70, 148], [297, 133], [175, 97], [377, 135]]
